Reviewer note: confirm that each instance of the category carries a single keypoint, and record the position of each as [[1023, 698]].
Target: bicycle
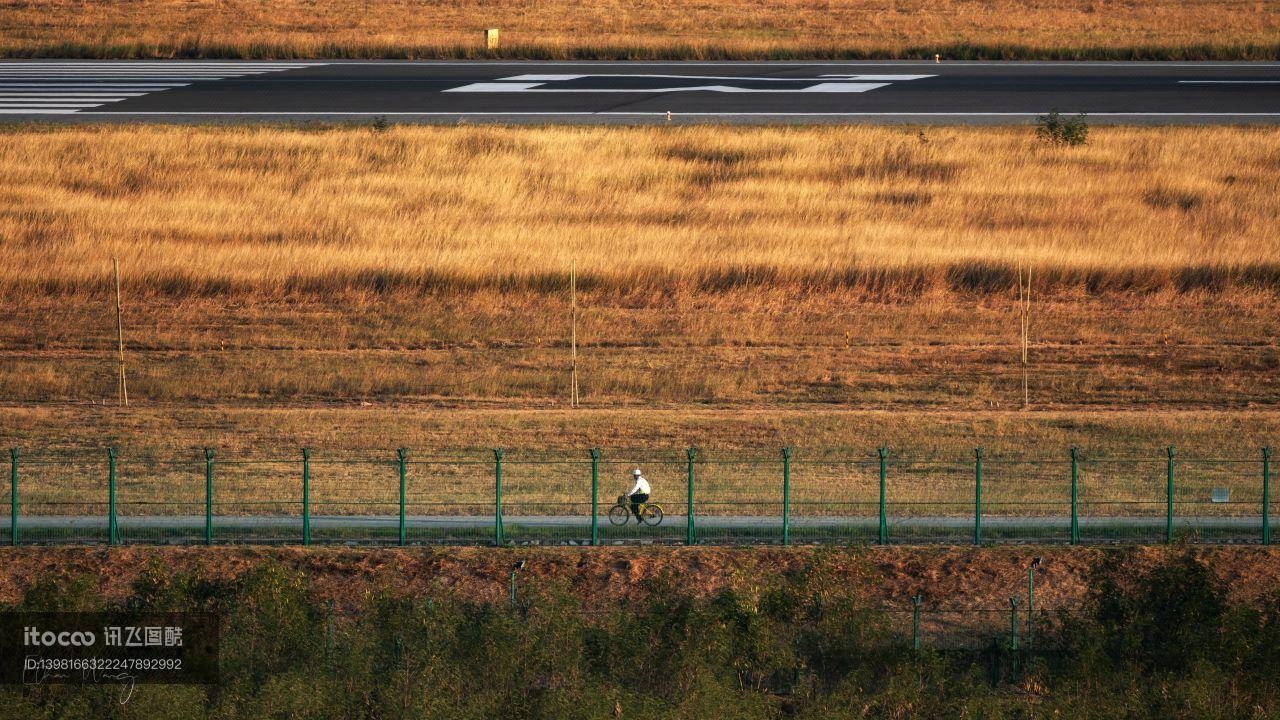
[[650, 513]]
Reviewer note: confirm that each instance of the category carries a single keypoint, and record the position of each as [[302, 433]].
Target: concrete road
[[478, 528], [637, 92]]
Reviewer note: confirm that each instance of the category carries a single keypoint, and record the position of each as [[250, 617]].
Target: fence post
[[13, 496], [112, 531], [1031, 607], [328, 634], [786, 496], [690, 536], [595, 496], [306, 496], [1168, 515], [1075, 496], [883, 451], [497, 496], [1013, 631], [977, 496], [915, 621], [401, 455], [208, 496], [1266, 494]]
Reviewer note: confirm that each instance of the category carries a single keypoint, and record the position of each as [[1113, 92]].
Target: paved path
[[637, 92], [728, 527]]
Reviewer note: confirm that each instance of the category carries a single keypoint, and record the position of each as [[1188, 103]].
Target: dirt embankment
[[949, 578]]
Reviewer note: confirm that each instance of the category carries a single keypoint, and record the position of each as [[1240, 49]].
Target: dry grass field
[[647, 29], [828, 288], [643, 212]]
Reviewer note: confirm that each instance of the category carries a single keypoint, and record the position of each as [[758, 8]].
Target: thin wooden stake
[[1024, 313], [124, 389], [573, 304]]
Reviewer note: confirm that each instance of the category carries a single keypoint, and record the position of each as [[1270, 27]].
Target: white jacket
[[642, 486]]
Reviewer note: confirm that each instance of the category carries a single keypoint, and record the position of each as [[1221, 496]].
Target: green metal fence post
[[402, 455], [786, 496], [1031, 605], [1168, 515], [1075, 496], [595, 496], [497, 496], [690, 536], [13, 496], [328, 634], [977, 496], [1013, 630], [1013, 623], [306, 496], [1266, 494], [883, 537], [915, 621], [113, 532], [208, 496]]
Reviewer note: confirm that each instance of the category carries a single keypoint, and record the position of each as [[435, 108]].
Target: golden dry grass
[[741, 288], [713, 28], [200, 210], [353, 460]]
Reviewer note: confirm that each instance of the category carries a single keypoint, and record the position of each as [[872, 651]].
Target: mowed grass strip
[[1085, 29], [892, 212], [546, 466]]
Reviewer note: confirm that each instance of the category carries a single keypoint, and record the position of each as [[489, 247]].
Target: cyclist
[[639, 494]]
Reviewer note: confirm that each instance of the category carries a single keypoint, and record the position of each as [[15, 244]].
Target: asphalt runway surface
[[637, 92]]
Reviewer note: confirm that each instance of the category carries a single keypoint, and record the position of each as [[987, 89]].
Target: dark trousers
[[636, 500]]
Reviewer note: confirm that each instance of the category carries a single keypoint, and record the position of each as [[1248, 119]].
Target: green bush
[[1167, 642], [1057, 130]]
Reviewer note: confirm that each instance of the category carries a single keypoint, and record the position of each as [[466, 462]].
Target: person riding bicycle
[[639, 494]]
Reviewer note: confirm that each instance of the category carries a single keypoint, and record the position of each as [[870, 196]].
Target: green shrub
[[1057, 130]]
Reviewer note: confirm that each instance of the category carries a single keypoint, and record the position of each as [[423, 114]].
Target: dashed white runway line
[[534, 84], [65, 87]]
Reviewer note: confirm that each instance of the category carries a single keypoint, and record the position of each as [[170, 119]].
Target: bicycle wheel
[[652, 515], [618, 515]]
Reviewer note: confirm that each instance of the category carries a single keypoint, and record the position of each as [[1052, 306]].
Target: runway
[[637, 92]]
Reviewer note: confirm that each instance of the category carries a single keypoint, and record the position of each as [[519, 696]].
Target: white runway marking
[[1028, 114], [823, 84], [533, 87], [65, 87]]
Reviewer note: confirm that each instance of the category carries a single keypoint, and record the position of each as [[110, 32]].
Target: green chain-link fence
[[792, 496]]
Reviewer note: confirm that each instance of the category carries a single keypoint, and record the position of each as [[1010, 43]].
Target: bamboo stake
[[1024, 312], [573, 304], [123, 388]]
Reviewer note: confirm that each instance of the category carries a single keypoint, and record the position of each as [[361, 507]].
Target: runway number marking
[[822, 84]]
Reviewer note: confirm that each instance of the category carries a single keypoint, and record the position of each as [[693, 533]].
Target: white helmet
[[635, 473]]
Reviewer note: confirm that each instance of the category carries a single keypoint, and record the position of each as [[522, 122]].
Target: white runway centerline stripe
[[823, 84], [45, 87]]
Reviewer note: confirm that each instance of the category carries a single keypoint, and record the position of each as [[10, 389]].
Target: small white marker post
[[937, 58]]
